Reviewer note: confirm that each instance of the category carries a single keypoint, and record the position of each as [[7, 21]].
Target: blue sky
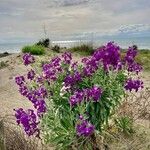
[[24, 19]]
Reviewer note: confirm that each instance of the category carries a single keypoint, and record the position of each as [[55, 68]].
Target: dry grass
[[12, 137], [137, 107]]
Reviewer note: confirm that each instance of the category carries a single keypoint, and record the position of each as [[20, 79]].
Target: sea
[[141, 42]]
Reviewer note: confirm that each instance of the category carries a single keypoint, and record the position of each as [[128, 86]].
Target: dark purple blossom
[[133, 85], [67, 57], [40, 105], [84, 128], [20, 80], [94, 93], [134, 67], [74, 66], [52, 69], [28, 120], [28, 59], [109, 55], [31, 74], [23, 90], [131, 54], [72, 79], [77, 98]]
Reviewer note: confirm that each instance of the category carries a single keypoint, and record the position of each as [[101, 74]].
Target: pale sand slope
[[9, 95]]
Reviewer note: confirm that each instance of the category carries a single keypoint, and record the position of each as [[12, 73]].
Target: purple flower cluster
[[28, 59], [131, 54], [20, 80], [70, 80], [36, 95], [31, 74], [130, 60], [134, 67], [67, 57], [79, 96], [28, 120], [133, 85], [91, 65], [51, 69], [84, 128], [94, 93], [108, 56], [74, 66]]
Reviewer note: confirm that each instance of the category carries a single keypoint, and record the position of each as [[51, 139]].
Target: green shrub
[[34, 49], [83, 49]]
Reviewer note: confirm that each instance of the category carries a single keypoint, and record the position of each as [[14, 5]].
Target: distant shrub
[[44, 42], [84, 49], [56, 48], [34, 49], [3, 64]]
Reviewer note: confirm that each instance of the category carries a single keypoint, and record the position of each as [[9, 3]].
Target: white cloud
[[61, 17]]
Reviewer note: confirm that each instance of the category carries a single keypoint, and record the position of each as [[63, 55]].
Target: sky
[[26, 19]]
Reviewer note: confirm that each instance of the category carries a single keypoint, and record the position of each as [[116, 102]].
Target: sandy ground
[[9, 95]]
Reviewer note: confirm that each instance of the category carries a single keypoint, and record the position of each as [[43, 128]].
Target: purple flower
[[94, 93], [77, 98], [133, 85], [131, 54], [108, 56], [28, 120], [67, 57], [40, 105], [28, 59], [84, 128], [31, 74], [74, 66], [20, 80], [52, 69], [23, 90], [134, 67], [70, 80]]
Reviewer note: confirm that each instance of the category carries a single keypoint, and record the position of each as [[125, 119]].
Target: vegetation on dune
[[34, 49], [3, 64], [144, 59], [75, 102], [56, 48], [83, 49]]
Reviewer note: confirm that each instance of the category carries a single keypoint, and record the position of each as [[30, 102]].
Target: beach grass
[[83, 49], [34, 49]]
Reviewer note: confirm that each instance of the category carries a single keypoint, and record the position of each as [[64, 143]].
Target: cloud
[[59, 3], [71, 17]]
